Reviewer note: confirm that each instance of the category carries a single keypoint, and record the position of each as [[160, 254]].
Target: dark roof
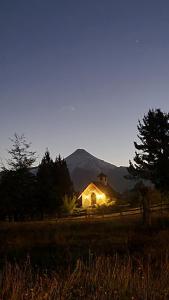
[[106, 189], [102, 175]]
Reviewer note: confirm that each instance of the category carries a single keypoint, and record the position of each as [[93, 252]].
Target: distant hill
[[84, 168]]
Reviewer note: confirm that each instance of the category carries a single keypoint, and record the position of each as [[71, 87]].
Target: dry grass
[[82, 262], [102, 279]]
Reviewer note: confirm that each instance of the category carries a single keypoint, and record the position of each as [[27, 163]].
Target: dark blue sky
[[80, 73]]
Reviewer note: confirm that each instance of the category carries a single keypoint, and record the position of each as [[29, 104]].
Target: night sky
[[80, 73]]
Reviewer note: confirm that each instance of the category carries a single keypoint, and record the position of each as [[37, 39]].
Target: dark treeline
[[26, 194]]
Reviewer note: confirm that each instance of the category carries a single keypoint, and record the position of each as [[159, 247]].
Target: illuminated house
[[98, 193]]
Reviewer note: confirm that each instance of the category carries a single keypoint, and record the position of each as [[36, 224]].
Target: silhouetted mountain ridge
[[85, 167]]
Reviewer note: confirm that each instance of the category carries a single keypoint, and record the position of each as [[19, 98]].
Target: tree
[[54, 183], [21, 155], [151, 161], [146, 199], [46, 186], [17, 187], [62, 177]]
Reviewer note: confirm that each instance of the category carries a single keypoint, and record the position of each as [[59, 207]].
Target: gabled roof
[[106, 189], [87, 187]]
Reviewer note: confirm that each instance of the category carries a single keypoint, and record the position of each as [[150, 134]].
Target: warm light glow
[[100, 196], [93, 196]]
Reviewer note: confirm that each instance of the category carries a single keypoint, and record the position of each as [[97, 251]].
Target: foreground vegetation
[[74, 238], [92, 258], [102, 278]]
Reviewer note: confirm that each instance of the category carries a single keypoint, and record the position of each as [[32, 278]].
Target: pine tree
[[63, 178], [17, 187], [54, 183], [151, 161], [46, 187], [21, 155]]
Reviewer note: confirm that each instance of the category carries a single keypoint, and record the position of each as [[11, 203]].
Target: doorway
[[93, 199]]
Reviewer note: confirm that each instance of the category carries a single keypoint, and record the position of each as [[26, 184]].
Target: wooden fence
[[160, 208]]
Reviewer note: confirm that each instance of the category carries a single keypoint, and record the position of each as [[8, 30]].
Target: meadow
[[114, 258]]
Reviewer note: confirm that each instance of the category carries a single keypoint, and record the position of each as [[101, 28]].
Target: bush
[[69, 204]]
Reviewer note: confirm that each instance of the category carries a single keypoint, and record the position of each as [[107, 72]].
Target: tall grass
[[103, 278], [139, 270]]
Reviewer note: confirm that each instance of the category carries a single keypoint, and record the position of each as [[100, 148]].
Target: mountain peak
[[80, 151], [84, 160]]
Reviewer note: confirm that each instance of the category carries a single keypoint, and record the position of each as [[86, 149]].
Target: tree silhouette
[[21, 155], [53, 182], [46, 186], [63, 178], [151, 161], [17, 186]]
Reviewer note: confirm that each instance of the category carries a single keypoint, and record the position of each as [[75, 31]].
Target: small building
[[98, 193]]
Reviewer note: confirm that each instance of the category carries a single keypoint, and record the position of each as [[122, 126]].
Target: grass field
[[85, 259], [65, 240], [104, 278], [68, 240]]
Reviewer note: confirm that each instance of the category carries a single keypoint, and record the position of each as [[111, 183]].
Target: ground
[[92, 258], [71, 239]]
